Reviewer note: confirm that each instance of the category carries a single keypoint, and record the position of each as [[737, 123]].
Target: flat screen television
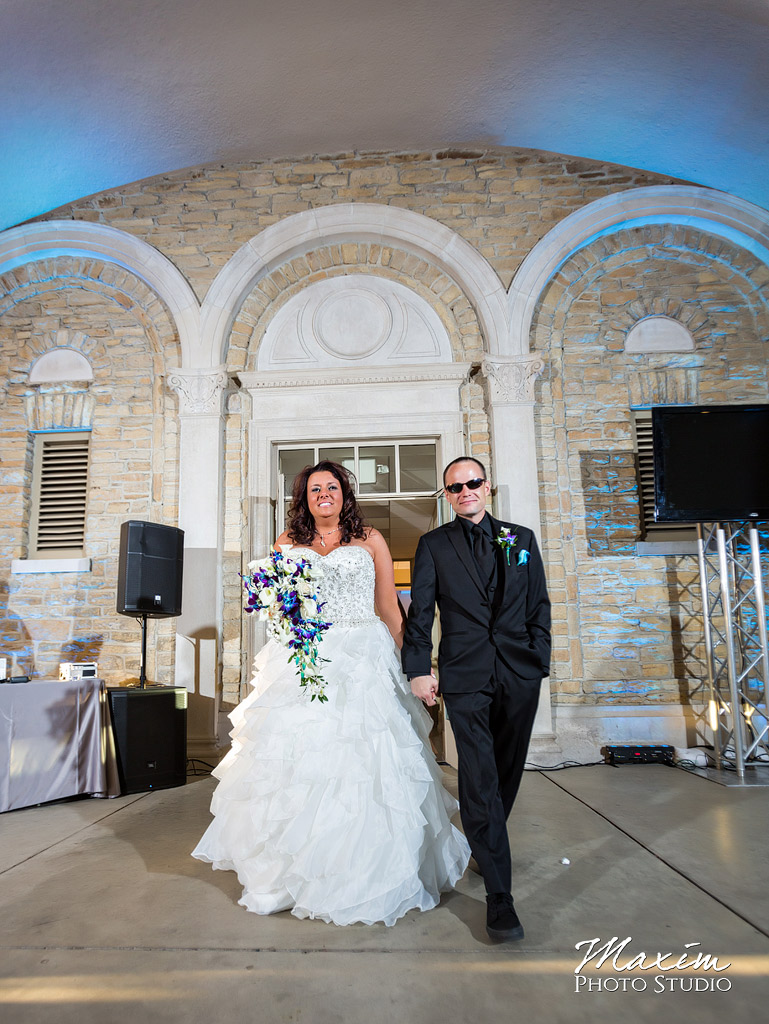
[[711, 463]]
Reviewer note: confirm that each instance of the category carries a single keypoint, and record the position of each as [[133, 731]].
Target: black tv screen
[[711, 463]]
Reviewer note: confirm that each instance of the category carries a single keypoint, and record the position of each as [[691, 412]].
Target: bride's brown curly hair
[[301, 525]]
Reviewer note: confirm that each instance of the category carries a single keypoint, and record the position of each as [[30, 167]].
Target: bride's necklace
[[324, 535]]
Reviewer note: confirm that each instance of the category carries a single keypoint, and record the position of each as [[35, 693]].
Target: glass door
[[396, 485], [398, 490]]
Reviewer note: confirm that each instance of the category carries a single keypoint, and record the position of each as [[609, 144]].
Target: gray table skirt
[[55, 742]]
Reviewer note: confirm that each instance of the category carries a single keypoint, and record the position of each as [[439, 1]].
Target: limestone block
[[420, 175], [372, 175]]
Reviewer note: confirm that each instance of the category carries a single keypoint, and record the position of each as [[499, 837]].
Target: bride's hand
[[425, 687]]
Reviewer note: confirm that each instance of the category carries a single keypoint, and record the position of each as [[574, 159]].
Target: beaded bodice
[[347, 584]]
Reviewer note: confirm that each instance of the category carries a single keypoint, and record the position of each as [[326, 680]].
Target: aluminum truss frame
[[736, 650]]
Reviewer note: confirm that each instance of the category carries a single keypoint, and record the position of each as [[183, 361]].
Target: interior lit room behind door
[[398, 489]]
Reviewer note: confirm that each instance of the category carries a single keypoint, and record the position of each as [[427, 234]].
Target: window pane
[[377, 514], [292, 462], [418, 468], [408, 519], [377, 469], [344, 456]]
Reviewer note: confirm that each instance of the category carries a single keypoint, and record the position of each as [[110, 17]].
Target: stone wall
[[628, 628], [500, 201], [626, 625], [127, 336]]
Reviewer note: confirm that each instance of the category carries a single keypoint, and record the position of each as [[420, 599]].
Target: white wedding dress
[[335, 810]]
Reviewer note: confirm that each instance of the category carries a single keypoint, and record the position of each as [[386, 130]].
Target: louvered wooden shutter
[[59, 492]]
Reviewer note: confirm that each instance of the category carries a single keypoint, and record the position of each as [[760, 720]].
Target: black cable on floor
[[530, 766]]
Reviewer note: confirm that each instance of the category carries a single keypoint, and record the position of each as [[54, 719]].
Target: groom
[[488, 581]]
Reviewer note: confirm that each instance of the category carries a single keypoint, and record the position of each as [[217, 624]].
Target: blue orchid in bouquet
[[283, 591]]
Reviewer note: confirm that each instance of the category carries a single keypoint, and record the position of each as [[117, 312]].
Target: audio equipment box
[[68, 670]]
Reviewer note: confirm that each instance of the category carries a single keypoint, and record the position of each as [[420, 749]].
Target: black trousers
[[492, 728]]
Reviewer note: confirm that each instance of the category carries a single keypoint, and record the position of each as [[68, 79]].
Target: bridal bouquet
[[284, 592]]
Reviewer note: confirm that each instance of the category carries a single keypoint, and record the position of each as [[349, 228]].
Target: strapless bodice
[[347, 584]]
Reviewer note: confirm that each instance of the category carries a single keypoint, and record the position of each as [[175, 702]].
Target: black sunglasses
[[471, 485]]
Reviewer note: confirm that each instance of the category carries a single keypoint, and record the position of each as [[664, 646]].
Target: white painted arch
[[32, 242], [353, 222], [717, 213], [505, 318], [204, 331]]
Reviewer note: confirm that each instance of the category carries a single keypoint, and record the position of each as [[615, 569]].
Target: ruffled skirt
[[334, 810]]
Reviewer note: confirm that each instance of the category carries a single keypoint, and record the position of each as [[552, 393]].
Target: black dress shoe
[[502, 922]]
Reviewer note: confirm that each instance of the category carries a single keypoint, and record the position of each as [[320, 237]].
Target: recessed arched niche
[[355, 319], [59, 365], [659, 334]]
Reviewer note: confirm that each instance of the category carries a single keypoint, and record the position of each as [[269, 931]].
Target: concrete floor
[[106, 918]]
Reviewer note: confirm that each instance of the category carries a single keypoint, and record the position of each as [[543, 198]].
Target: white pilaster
[[509, 387], [198, 648]]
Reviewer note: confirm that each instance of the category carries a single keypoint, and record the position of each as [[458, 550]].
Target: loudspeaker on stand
[[150, 570]]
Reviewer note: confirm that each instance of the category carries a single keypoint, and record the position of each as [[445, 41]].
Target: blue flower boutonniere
[[523, 556], [507, 541]]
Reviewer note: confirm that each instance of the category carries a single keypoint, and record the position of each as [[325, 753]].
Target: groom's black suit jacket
[[479, 637]]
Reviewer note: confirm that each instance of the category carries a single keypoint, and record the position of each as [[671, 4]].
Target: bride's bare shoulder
[[374, 542]]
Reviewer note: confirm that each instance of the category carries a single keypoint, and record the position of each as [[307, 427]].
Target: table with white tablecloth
[[55, 742]]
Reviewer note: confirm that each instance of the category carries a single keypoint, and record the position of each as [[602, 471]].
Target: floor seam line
[[298, 950], [64, 839]]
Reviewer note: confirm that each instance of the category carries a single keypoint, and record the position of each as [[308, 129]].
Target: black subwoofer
[[150, 729], [150, 570]]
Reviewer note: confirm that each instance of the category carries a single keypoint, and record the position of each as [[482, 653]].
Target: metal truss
[[731, 578]]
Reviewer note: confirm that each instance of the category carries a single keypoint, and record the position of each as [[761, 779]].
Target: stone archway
[[372, 222], [32, 242], [715, 212]]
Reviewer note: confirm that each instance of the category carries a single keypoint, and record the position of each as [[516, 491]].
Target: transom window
[[386, 468], [397, 485]]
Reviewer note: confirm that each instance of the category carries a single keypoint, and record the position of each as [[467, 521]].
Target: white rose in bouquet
[[283, 592]]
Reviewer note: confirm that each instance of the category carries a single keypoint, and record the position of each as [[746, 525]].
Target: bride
[[335, 810]]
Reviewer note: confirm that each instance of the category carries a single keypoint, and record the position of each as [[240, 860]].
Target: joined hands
[[425, 687]]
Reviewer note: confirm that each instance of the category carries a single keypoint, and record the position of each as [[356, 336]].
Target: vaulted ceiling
[[99, 93]]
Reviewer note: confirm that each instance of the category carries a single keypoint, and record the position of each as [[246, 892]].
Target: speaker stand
[[143, 664]]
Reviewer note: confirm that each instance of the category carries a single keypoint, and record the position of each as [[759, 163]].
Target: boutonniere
[[507, 541]]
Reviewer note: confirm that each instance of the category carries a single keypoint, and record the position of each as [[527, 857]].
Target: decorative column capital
[[200, 391], [511, 381]]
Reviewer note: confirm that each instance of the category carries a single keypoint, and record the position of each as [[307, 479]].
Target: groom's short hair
[[465, 458]]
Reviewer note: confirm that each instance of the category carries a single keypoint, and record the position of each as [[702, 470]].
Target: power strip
[[640, 754]]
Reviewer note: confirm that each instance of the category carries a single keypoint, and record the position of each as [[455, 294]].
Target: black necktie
[[484, 553]]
